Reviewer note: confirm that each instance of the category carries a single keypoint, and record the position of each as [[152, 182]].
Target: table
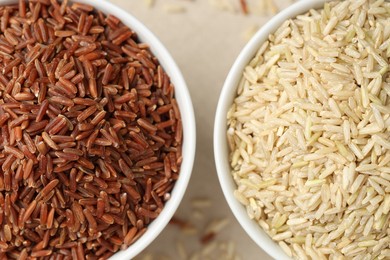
[[204, 41]]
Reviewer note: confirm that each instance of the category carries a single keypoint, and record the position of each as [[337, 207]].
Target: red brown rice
[[90, 133]]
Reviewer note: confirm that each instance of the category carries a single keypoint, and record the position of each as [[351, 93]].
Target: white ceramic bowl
[[187, 113], [221, 149]]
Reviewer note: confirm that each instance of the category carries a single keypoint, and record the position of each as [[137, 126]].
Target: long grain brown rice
[[91, 134], [309, 133]]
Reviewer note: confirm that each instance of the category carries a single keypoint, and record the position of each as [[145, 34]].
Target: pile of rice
[[90, 132], [309, 133]]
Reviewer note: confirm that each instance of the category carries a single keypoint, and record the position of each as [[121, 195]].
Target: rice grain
[[308, 133], [91, 133]]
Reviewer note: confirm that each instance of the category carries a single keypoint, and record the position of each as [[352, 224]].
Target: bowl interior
[[188, 121], [187, 115], [221, 149]]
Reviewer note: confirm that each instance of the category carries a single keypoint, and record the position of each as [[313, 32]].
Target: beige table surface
[[204, 41]]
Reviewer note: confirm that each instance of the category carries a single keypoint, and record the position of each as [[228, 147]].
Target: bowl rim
[[183, 98], [228, 93]]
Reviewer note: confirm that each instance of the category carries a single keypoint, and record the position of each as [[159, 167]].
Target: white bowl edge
[[221, 149], [188, 120], [187, 115]]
